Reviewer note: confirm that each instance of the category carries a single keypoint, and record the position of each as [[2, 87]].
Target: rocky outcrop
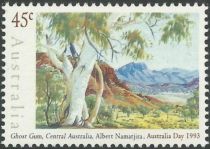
[[115, 92]]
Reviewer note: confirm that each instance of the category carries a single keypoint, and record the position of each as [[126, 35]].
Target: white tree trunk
[[99, 93], [79, 79], [76, 82]]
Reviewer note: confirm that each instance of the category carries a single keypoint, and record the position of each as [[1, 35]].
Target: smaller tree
[[90, 100], [193, 113], [188, 112], [126, 110], [105, 112], [50, 89], [143, 110], [166, 108], [134, 109], [156, 113], [185, 113], [193, 105]]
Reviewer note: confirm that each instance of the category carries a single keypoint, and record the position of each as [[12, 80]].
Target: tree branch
[[117, 40], [64, 65], [154, 23], [95, 110], [91, 44], [151, 30], [58, 64], [50, 101], [111, 46], [133, 21]]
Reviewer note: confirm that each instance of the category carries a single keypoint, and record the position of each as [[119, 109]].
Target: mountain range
[[140, 78], [115, 92]]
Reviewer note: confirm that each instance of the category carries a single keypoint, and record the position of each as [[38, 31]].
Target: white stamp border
[[46, 8]]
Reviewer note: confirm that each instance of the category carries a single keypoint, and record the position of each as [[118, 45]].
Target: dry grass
[[137, 120]]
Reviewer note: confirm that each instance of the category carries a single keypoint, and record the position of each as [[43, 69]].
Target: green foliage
[[101, 28], [157, 16], [40, 115], [110, 124], [143, 110], [126, 110], [90, 100], [134, 109], [193, 102], [166, 108], [152, 120], [105, 112], [177, 29], [136, 45], [54, 78], [191, 109], [156, 113], [186, 112], [193, 105], [71, 26], [39, 29], [96, 24], [68, 26], [50, 91]]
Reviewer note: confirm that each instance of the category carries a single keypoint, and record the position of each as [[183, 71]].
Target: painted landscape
[[101, 71]]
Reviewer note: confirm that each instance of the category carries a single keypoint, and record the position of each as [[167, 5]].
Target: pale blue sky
[[169, 55]]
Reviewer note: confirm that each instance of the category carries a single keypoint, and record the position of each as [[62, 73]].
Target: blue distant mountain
[[139, 76]]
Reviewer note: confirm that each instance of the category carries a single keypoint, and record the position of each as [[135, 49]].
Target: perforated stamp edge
[[108, 7]]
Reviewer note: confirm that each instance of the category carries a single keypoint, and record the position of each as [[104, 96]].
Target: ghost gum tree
[[102, 35]]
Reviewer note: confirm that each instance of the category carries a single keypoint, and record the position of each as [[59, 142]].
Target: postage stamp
[[105, 75]]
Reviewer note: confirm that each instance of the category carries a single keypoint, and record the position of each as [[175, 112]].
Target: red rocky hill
[[115, 92]]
